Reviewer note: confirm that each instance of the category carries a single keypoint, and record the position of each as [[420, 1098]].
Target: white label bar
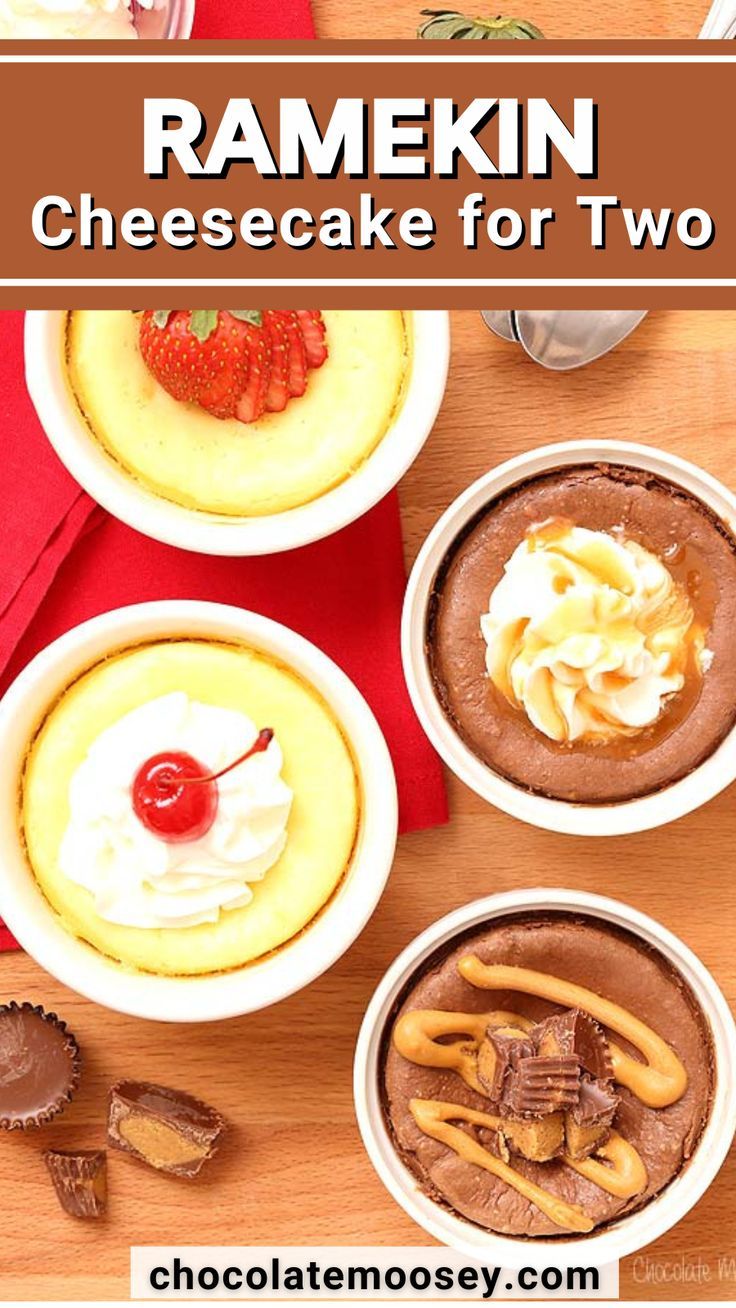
[[339, 1273]]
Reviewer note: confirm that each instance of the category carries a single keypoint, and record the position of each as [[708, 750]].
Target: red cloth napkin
[[65, 560], [41, 527], [6, 940], [253, 20]]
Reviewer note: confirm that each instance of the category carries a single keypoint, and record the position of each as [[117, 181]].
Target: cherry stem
[[260, 744]]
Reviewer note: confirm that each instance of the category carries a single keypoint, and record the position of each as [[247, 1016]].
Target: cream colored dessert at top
[[68, 19], [241, 884], [277, 461]]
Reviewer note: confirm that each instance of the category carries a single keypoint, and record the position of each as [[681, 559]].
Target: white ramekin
[[193, 999], [654, 810], [622, 1237], [209, 533]]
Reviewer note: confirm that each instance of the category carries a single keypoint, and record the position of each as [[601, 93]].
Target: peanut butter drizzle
[[658, 1082], [434, 1118], [625, 1177], [623, 1174], [416, 1035]]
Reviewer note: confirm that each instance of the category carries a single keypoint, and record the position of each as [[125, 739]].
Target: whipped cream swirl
[[588, 633], [68, 19], [140, 880]]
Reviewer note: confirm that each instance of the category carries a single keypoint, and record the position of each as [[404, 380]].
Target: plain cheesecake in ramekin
[[277, 462], [198, 807], [191, 477]]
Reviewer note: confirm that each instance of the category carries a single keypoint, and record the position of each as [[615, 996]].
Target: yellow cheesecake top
[[280, 461], [321, 816]]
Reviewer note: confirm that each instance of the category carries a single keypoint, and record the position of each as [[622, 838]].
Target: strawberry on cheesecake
[[241, 412], [235, 363]]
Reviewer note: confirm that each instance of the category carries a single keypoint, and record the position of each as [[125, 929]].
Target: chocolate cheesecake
[[579, 634], [546, 1074]]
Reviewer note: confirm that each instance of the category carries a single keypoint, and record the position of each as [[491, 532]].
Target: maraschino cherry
[[176, 798]]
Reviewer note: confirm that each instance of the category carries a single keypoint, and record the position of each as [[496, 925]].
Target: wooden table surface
[[294, 1171]]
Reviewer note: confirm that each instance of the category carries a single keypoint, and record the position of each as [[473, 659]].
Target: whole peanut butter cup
[[39, 1066]]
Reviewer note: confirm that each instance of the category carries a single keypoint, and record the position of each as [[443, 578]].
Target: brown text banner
[[453, 173]]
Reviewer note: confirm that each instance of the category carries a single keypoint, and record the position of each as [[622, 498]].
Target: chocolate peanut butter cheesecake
[[547, 1075], [580, 634]]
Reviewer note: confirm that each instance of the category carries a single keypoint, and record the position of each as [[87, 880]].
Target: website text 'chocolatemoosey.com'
[[360, 1273]]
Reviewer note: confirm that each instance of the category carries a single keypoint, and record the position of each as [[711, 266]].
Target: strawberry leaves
[[253, 316], [203, 322]]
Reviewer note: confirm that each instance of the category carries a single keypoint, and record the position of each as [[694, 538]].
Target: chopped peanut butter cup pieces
[[538, 1086], [498, 1054], [658, 1081], [575, 1032], [537, 1138]]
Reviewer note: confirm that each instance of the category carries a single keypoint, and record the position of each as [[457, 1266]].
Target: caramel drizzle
[[659, 1081], [624, 1177]]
